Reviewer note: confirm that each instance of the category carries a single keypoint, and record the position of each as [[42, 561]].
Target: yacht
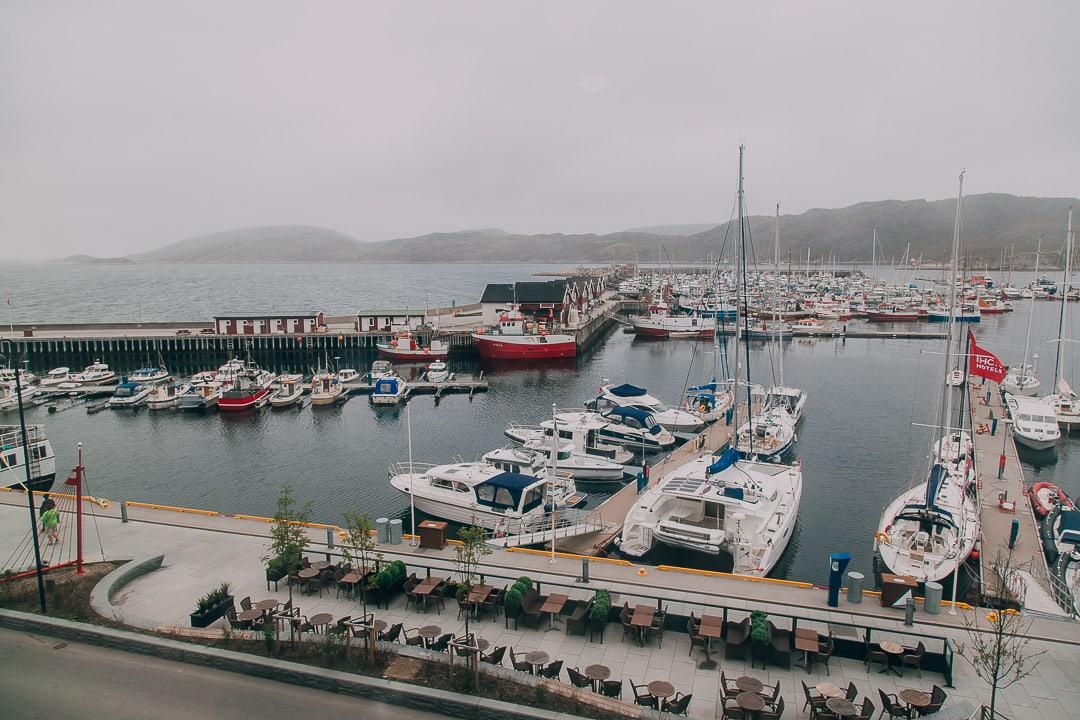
[[626, 395], [481, 494], [389, 390], [249, 388], [1066, 405], [437, 372], [659, 324], [9, 396], [582, 467], [202, 396], [1021, 380], [719, 504], [791, 400], [1034, 421], [380, 369], [632, 428], [97, 373], [149, 375], [584, 441], [26, 378], [290, 390], [1061, 543], [129, 394], [710, 401], [163, 397], [56, 376], [769, 435], [230, 369], [13, 458], [325, 388], [953, 447]]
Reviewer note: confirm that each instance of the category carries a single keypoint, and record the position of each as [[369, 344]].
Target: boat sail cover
[[627, 390], [644, 419], [726, 460], [933, 484]]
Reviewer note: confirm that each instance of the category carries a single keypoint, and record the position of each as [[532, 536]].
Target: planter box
[[201, 620]]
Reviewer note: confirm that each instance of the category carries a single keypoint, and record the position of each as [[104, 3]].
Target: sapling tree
[[289, 538], [472, 550], [361, 546]]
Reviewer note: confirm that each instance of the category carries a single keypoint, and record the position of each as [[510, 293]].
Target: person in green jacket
[[50, 524]]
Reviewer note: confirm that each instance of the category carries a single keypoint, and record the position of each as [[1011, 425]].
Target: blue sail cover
[[385, 386], [514, 483], [933, 483], [726, 460], [627, 390], [645, 419]]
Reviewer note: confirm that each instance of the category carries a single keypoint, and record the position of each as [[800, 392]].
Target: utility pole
[[27, 455]]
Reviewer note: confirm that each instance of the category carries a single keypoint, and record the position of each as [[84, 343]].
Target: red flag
[[984, 363]]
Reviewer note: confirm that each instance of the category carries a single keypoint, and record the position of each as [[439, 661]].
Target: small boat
[[632, 428], [1061, 542], [658, 323], [1066, 405], [9, 397], [250, 388], [1034, 422], [539, 455], [163, 397], [1022, 379], [388, 391], [380, 369], [1045, 495], [149, 375], [437, 372], [405, 348], [129, 394], [511, 340], [627, 395], [710, 401], [348, 376], [13, 463], [790, 399], [290, 390], [966, 314], [56, 376], [26, 378], [97, 373], [325, 388], [893, 314], [201, 396]]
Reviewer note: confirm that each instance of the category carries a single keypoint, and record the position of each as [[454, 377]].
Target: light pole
[[27, 454], [412, 495]]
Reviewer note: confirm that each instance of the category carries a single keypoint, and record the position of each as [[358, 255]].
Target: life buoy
[[883, 538], [702, 408]]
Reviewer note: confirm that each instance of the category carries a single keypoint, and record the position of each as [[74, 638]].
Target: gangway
[[567, 524]]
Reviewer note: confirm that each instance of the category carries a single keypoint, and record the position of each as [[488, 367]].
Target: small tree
[[469, 553], [361, 546], [999, 654], [288, 537]]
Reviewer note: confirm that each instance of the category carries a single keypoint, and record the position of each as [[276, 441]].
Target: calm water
[[857, 443]]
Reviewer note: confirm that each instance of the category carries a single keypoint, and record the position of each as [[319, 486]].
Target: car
[[183, 331], [207, 331]]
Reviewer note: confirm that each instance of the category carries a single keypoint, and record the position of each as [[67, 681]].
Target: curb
[[101, 597]]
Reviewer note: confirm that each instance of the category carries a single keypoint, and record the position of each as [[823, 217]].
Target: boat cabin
[[511, 492]]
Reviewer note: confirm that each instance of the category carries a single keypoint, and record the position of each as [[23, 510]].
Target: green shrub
[[512, 598], [524, 582], [601, 605], [213, 598], [759, 628]]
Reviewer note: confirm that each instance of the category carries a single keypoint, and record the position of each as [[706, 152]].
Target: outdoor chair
[[875, 656], [628, 630], [413, 637], [442, 643], [410, 582], [780, 646], [852, 692], [463, 606], [678, 705], [738, 640], [490, 605], [814, 699], [411, 597], [655, 632], [235, 624], [825, 653], [730, 710], [696, 640], [577, 622], [611, 688], [891, 704], [728, 687], [937, 699], [659, 618], [436, 597], [646, 698], [913, 658], [773, 711], [626, 613], [392, 633], [245, 604], [531, 602], [867, 711], [771, 693], [340, 627], [553, 670], [577, 679], [495, 657], [519, 665]]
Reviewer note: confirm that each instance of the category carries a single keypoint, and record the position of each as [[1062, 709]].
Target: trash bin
[[932, 601], [395, 531], [855, 587], [382, 531], [432, 535]]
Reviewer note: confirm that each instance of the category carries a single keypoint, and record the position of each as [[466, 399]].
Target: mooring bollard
[[909, 611], [993, 425], [585, 569], [123, 511]]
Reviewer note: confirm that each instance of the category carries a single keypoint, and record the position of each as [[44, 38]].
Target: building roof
[[547, 291], [498, 293], [275, 316]]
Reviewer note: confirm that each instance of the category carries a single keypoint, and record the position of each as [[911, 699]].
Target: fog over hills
[[992, 222]]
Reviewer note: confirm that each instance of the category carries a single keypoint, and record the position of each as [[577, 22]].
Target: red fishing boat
[[894, 314], [248, 388], [405, 348], [510, 341]]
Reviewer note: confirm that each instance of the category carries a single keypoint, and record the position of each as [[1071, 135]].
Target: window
[[564, 455], [533, 498], [461, 487], [504, 497], [486, 493], [38, 452], [9, 460], [442, 483], [566, 435]]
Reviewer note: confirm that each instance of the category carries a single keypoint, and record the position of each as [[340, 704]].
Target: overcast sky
[[128, 125]]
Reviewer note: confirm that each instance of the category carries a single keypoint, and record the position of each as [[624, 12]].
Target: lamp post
[[27, 454], [412, 495]]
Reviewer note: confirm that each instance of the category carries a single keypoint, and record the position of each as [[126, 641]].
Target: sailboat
[[790, 400], [928, 530], [1064, 400], [1024, 379]]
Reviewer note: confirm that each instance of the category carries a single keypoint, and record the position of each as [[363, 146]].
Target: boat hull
[[494, 347], [243, 402], [406, 355]]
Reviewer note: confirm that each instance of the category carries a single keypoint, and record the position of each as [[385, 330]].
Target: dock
[[438, 389]]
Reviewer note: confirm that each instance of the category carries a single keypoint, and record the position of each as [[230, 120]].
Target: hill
[[276, 243], [91, 260]]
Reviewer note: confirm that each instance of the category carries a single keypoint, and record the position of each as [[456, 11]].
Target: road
[[43, 677]]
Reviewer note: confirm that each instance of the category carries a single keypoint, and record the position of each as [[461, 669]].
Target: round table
[[307, 573], [430, 632], [830, 690], [379, 625], [892, 648], [536, 658], [750, 701], [748, 684], [841, 706], [321, 620], [249, 615], [350, 578], [914, 698], [320, 565], [597, 674], [661, 689], [268, 604]]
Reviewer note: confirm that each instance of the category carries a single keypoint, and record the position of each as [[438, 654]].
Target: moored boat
[[1034, 422], [626, 395], [404, 348], [388, 390], [129, 394], [149, 375], [56, 376], [289, 391], [1045, 495], [13, 465], [9, 396], [249, 388], [167, 395], [510, 341], [325, 388], [97, 373]]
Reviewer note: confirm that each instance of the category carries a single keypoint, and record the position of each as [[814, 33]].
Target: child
[[50, 524]]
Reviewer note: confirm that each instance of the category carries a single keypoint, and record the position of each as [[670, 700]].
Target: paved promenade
[[201, 551]]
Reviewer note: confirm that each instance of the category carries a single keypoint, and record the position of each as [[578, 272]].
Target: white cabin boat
[[13, 458], [348, 376], [563, 460], [790, 399], [129, 394], [710, 401], [56, 376], [634, 429], [97, 373], [163, 397], [202, 396], [389, 390], [149, 375], [9, 396], [325, 388], [627, 395], [717, 505], [26, 378], [289, 391], [1034, 421], [769, 435], [583, 441], [1021, 380], [437, 372]]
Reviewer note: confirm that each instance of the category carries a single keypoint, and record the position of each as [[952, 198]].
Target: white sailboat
[[1064, 400], [1023, 379], [791, 400]]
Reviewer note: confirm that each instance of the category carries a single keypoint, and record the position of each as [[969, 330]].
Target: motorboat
[[1034, 421], [129, 394], [405, 348], [325, 388], [658, 323], [719, 504], [966, 314], [348, 376], [248, 388], [480, 494], [627, 395], [202, 396], [389, 390], [769, 435], [97, 373], [437, 372], [630, 427], [954, 447], [511, 339], [56, 376], [1045, 495], [149, 375], [230, 369], [163, 397], [289, 391], [380, 369], [584, 441], [1066, 405], [791, 399], [26, 378], [9, 395], [13, 458], [582, 467], [1021, 380], [1061, 543]]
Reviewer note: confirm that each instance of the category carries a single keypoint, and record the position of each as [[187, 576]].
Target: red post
[[76, 480]]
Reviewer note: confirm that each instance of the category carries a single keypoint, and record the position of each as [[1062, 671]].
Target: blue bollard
[[993, 426]]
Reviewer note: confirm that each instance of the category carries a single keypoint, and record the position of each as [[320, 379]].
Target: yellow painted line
[[171, 508], [734, 576], [256, 518], [547, 553]]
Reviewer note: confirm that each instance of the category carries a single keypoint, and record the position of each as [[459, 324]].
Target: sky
[[125, 126]]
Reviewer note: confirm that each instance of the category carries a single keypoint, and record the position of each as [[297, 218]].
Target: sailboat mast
[[1064, 299], [779, 320], [945, 411], [1024, 370], [740, 311]]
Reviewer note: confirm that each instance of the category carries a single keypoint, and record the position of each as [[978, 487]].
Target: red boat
[[404, 348], [249, 388], [892, 315], [1045, 495], [509, 341]]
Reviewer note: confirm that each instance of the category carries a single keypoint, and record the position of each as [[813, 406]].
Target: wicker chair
[[913, 658], [611, 688], [814, 700], [737, 642], [392, 633], [891, 704], [731, 710], [773, 711], [521, 665], [413, 637], [678, 705], [646, 698], [552, 671], [780, 646], [852, 692], [696, 640], [728, 687], [875, 656], [495, 657], [577, 679], [937, 699], [825, 653]]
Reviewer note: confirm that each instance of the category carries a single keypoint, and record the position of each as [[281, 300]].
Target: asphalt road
[[42, 677]]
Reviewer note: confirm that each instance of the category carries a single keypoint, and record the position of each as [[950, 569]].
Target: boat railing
[[11, 435], [550, 526], [408, 468]]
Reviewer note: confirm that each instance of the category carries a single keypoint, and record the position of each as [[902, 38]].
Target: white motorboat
[[632, 428], [129, 394], [325, 388], [1022, 380], [437, 372], [1034, 421], [1066, 405], [627, 395], [953, 447], [290, 390], [955, 378], [26, 378], [96, 374], [481, 494], [768, 436], [580, 467], [717, 505], [1061, 543], [202, 396], [9, 397], [149, 375], [388, 390], [163, 397], [584, 441], [790, 399], [13, 459], [380, 369], [658, 323], [230, 369], [348, 376], [56, 376]]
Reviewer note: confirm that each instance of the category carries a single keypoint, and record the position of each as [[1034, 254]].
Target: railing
[[571, 523], [11, 435], [408, 468]]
